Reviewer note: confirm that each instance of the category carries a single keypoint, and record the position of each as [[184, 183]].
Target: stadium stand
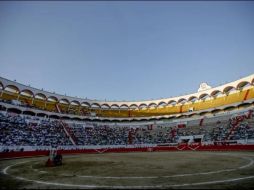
[[33, 119], [228, 96], [21, 130], [18, 130]]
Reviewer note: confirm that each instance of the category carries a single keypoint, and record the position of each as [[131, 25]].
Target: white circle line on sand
[[4, 171], [248, 165], [171, 176], [124, 187], [153, 177]]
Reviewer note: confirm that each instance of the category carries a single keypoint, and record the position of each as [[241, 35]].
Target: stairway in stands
[[69, 133], [237, 121], [233, 129]]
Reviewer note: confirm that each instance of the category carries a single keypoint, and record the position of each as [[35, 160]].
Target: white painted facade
[[208, 93]]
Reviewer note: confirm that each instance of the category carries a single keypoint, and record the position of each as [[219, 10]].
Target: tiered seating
[[99, 135], [18, 130], [69, 132], [34, 131], [158, 135], [79, 132]]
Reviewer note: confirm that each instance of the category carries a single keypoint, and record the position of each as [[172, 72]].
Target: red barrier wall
[[9, 155], [4, 155]]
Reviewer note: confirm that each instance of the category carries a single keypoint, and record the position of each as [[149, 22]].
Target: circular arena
[[147, 170], [201, 140], [126, 95]]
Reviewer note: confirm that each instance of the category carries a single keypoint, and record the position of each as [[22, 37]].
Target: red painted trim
[[246, 94], [181, 109], [129, 113], [182, 147]]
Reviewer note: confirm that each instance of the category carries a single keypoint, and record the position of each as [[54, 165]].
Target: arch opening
[[162, 104], [114, 106], [142, 106], [12, 88], [229, 89], [133, 106], [243, 84], [85, 104], [152, 105], [27, 93], [40, 96], [54, 116], [14, 110], [95, 106], [124, 107], [172, 102], [42, 115], [75, 103], [192, 99], [31, 113], [52, 99], [216, 93], [203, 96], [105, 106], [64, 101], [182, 101]]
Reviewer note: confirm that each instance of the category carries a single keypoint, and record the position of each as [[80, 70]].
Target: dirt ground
[[144, 170]]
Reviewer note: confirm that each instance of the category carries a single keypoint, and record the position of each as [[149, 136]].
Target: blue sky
[[126, 50]]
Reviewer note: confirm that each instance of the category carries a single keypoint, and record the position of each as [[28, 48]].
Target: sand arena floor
[[143, 170]]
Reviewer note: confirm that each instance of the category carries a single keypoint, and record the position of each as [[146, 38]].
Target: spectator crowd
[[21, 130]]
